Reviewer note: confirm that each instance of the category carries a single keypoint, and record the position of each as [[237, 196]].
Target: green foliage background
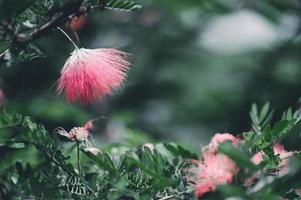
[[175, 83]]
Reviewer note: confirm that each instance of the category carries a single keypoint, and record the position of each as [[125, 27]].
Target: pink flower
[[213, 171], [220, 138], [79, 133], [283, 156], [281, 151], [76, 133], [89, 124], [278, 150], [204, 188], [216, 168], [90, 74], [257, 158]]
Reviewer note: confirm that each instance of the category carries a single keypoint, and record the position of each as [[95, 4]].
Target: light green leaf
[[236, 155]]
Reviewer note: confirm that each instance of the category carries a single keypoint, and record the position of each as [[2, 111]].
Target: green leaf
[[236, 155], [264, 111], [260, 118], [104, 161], [11, 143], [288, 114], [267, 133], [177, 150], [4, 46], [291, 140], [162, 180], [280, 128], [76, 185], [123, 5], [28, 123], [254, 117], [231, 191]]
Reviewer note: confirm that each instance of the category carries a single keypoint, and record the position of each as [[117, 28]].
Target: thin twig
[[78, 158]]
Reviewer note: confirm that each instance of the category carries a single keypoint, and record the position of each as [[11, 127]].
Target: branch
[[62, 18], [75, 10]]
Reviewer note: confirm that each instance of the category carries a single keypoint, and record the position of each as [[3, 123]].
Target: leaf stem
[[78, 158]]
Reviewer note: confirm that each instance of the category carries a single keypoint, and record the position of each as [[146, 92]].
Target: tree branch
[[62, 18], [75, 10]]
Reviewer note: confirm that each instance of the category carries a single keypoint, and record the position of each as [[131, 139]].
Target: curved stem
[[78, 158], [67, 36]]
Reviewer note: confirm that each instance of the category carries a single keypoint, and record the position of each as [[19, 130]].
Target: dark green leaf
[[104, 161], [11, 143], [4, 46], [124, 5], [12, 8], [231, 191], [177, 150]]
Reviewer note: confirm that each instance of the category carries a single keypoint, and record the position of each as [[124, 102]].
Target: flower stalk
[[68, 37]]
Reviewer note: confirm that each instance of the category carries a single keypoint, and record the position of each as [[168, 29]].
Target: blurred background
[[197, 66]]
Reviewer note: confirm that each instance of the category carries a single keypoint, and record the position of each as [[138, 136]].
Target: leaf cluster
[[138, 173], [23, 22]]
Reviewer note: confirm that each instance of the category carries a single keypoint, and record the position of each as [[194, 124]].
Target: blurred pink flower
[[219, 138], [257, 158], [283, 155], [278, 150], [88, 125], [282, 165], [204, 188], [76, 133], [281, 151], [215, 169], [90, 74], [79, 133]]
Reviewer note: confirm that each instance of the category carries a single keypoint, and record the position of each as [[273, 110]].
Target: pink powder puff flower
[[213, 171], [220, 138], [90, 74], [216, 168], [76, 133]]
